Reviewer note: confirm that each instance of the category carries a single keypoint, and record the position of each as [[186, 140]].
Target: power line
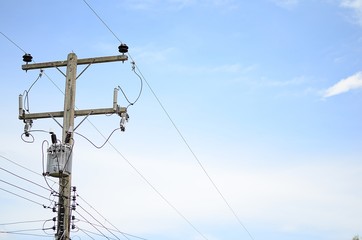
[[179, 132], [159, 193], [117, 230], [46, 179], [79, 134], [23, 197], [102, 234], [102, 20], [150, 184], [26, 234], [19, 165], [24, 179], [21, 49], [87, 232], [13, 42], [28, 191], [172, 206], [26, 230], [23, 222], [100, 222]]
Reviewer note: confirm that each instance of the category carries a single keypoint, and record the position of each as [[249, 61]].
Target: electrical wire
[[23, 222], [23, 189], [19, 165], [141, 87], [159, 193], [117, 230], [21, 49], [26, 234], [24, 230], [86, 233], [24, 179], [180, 134], [13, 42], [172, 206], [101, 146], [100, 223], [3, 157], [23, 197], [102, 234], [26, 92], [105, 24]]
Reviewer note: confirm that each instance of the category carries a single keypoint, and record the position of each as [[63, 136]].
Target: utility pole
[[69, 113]]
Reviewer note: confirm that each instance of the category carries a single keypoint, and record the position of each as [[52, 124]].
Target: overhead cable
[[25, 179], [26, 190], [116, 229], [23, 197], [179, 132]]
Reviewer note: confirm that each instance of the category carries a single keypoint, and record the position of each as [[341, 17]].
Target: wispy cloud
[[356, 7], [344, 85]]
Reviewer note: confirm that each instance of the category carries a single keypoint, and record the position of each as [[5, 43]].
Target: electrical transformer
[[59, 160]]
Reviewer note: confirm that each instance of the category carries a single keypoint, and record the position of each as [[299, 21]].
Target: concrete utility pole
[[69, 113]]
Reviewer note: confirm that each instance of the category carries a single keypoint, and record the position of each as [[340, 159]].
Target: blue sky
[[266, 93]]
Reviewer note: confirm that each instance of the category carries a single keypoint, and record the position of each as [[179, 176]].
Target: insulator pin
[[27, 58], [123, 48]]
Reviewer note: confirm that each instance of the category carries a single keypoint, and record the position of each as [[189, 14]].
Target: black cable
[[23, 222], [26, 92], [24, 179], [13, 42], [28, 191], [159, 193], [26, 234], [99, 147], [85, 232], [100, 222], [180, 134], [24, 230], [29, 135], [150, 184], [53, 228], [102, 234], [24, 167], [101, 20], [23, 197], [141, 88], [117, 230]]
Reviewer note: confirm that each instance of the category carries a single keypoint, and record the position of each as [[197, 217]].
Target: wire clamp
[[124, 119], [28, 126]]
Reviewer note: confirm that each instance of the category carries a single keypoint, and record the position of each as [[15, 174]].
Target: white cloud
[[344, 85], [356, 7]]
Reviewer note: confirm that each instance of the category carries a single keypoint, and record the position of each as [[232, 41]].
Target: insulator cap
[[27, 57], [123, 48]]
